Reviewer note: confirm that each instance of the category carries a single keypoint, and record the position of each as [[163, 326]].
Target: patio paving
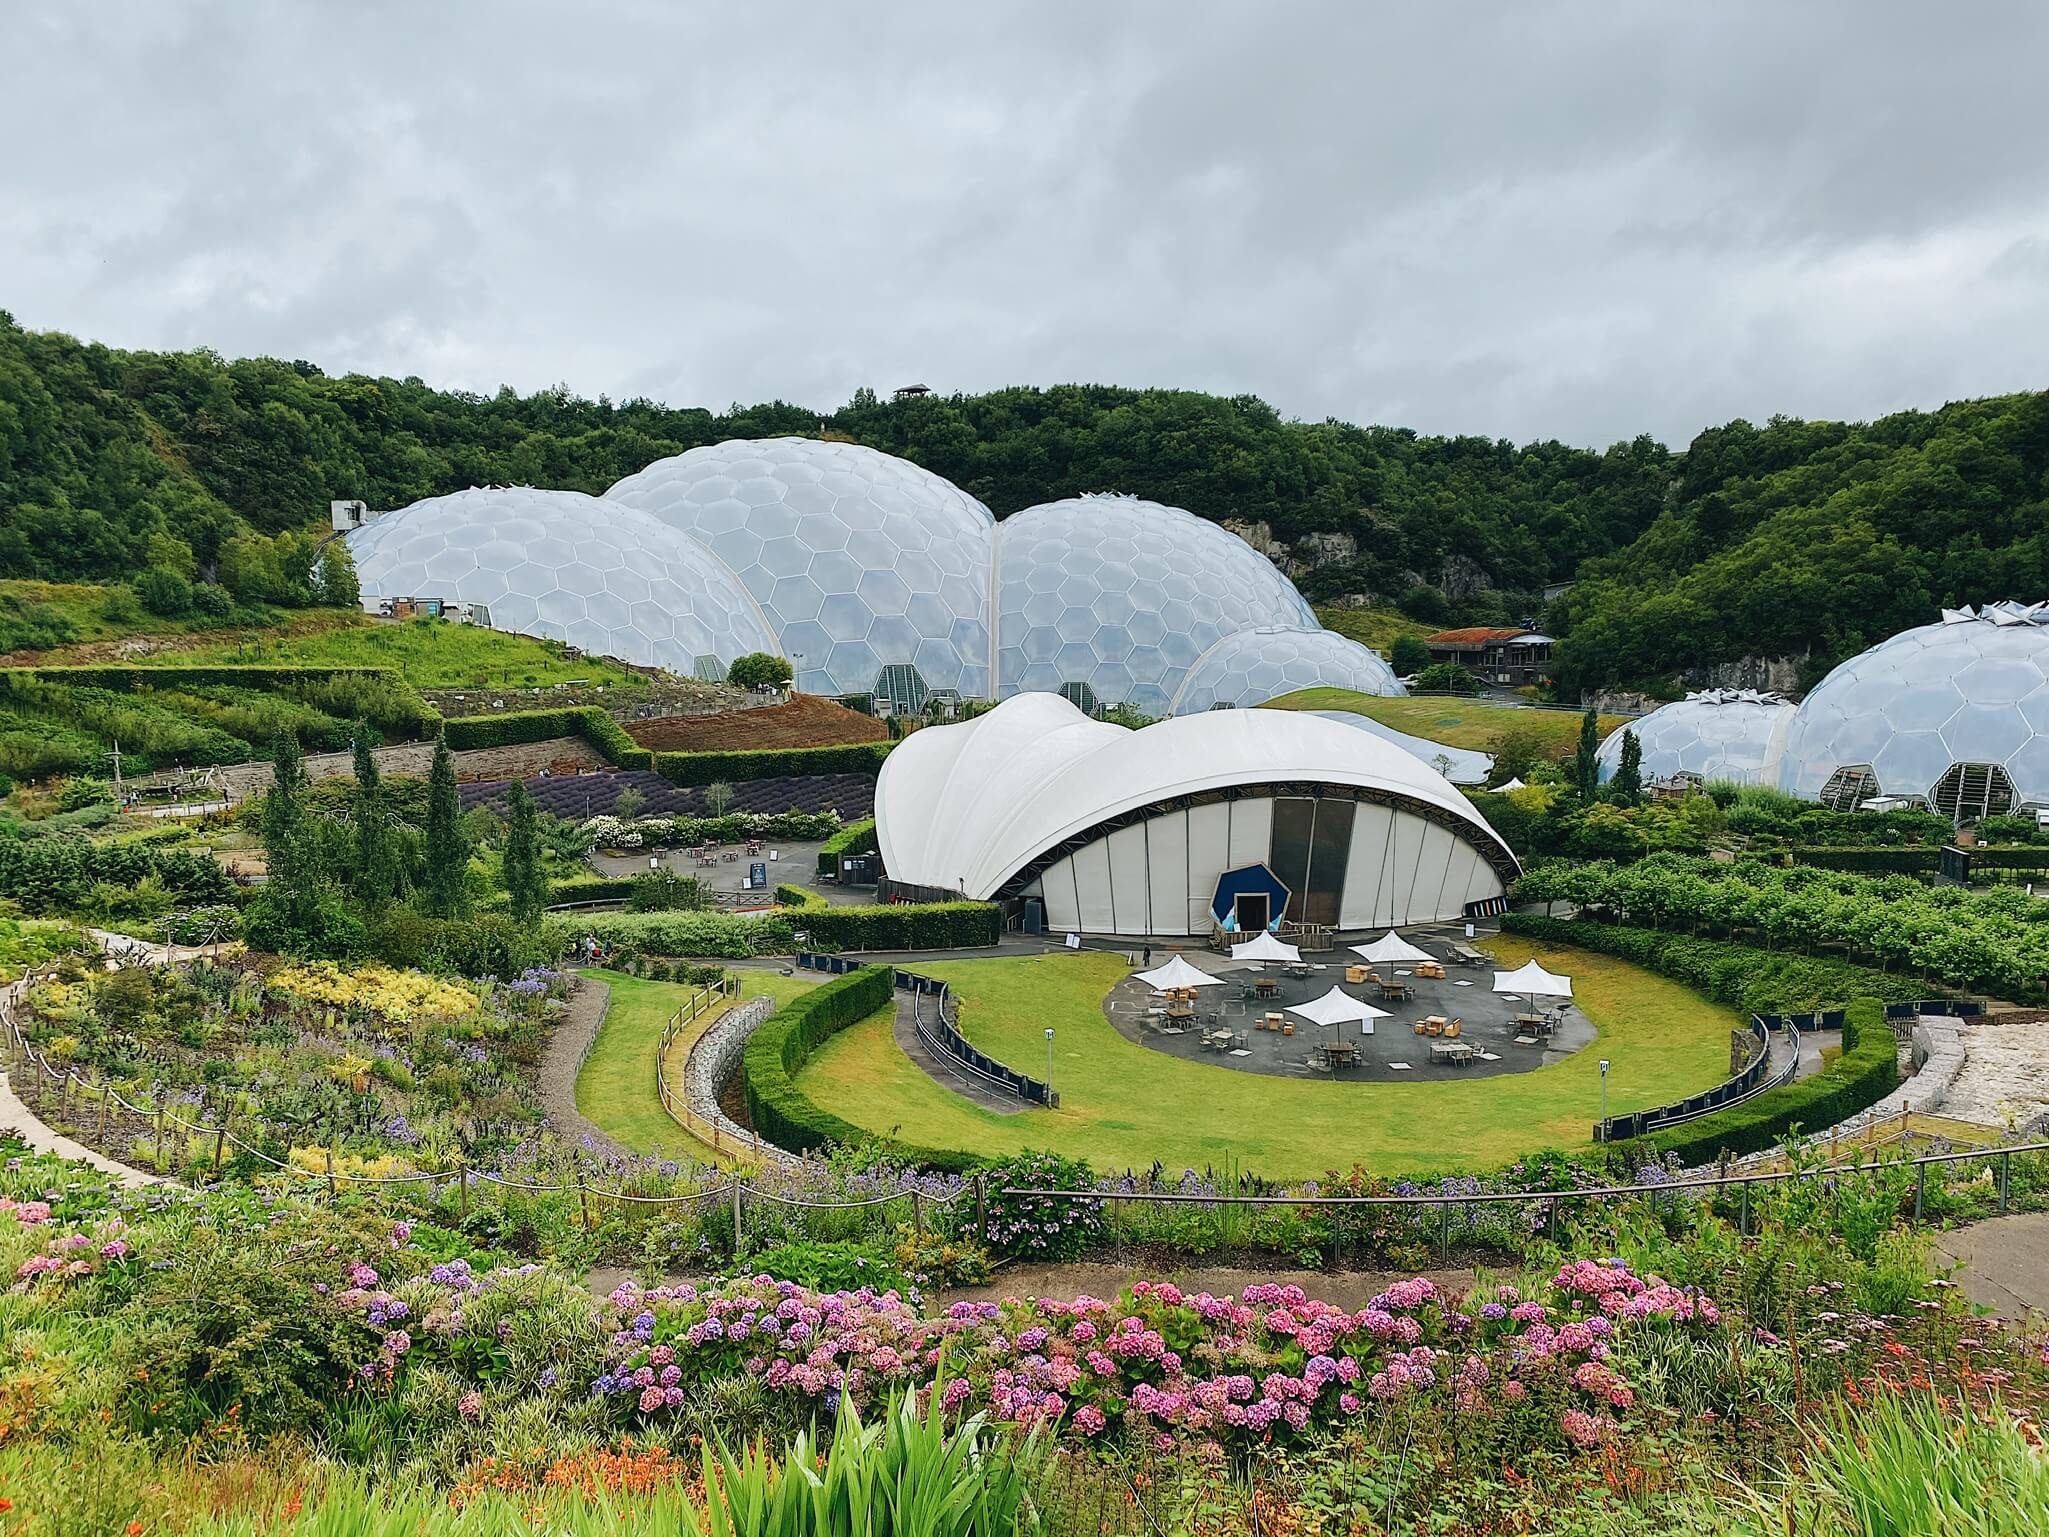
[[1465, 993]]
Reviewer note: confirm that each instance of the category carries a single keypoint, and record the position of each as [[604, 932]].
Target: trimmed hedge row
[[800, 897], [1865, 1073], [723, 936], [855, 838], [689, 769], [1758, 982], [466, 732], [126, 679], [1916, 861], [777, 1052], [904, 926]]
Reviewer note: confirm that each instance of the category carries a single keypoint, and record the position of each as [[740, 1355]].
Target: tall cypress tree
[[291, 886], [1587, 764], [1628, 781], [525, 883], [448, 853], [373, 876]]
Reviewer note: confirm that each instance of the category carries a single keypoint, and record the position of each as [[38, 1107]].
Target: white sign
[[1074, 941], [1469, 931], [772, 854]]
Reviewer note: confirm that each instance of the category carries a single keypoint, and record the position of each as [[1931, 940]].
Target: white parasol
[[1178, 973], [1265, 948], [1391, 947], [1338, 1007], [1533, 979]]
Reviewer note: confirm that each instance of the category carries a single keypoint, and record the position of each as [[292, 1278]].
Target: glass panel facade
[[1330, 849], [1294, 827]]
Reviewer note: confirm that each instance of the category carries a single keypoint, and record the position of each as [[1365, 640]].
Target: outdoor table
[[1430, 969], [1532, 1024], [1266, 987], [1397, 991], [1299, 968], [1180, 1008], [1457, 1053], [1340, 1053], [1466, 955], [1358, 974]]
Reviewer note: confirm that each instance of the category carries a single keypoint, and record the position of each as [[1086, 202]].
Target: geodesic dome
[[1956, 712], [1732, 734], [1113, 600], [873, 573], [574, 568], [1253, 666]]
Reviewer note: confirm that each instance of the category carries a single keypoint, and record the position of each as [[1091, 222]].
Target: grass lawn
[[431, 653], [1378, 628], [616, 1089], [1471, 723], [1122, 1106]]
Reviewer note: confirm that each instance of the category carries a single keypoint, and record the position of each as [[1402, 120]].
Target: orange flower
[[134, 1529]]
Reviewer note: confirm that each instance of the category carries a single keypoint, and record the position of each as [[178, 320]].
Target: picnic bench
[[1456, 1053], [1465, 955], [1394, 989]]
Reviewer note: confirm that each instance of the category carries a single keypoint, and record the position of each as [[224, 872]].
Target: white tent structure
[[1178, 973], [1338, 1007], [1509, 784], [1104, 830], [1532, 979], [1264, 947], [1391, 948]]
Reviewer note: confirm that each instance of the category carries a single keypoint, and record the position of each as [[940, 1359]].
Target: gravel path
[[582, 1018]]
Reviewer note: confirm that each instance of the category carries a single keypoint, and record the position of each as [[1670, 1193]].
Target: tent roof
[[1532, 978], [1391, 947], [1264, 947], [1336, 1007], [1509, 784], [1178, 973]]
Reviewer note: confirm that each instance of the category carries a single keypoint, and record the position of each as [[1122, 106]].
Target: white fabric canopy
[[1533, 979], [1507, 785], [1338, 1007], [1391, 947], [1178, 973], [1265, 948]]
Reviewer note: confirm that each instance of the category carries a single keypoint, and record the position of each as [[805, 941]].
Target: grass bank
[[1125, 1106], [616, 1089], [431, 653], [1473, 723]]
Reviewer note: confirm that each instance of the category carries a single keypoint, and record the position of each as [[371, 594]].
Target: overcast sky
[[1528, 220]]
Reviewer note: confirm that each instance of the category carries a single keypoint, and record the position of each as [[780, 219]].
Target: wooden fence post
[[982, 1207], [220, 1139], [918, 1212], [462, 1188], [2005, 1175], [583, 1201], [736, 1217], [330, 1174], [161, 1161], [1920, 1188]]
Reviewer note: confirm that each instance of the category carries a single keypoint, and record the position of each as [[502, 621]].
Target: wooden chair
[[1452, 1029]]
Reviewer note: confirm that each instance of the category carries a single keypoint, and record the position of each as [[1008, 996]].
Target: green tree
[[373, 872], [526, 883], [1408, 655], [1627, 785], [758, 668], [717, 797], [298, 911], [1517, 750], [1447, 678], [448, 853], [1586, 763], [163, 591], [337, 586]]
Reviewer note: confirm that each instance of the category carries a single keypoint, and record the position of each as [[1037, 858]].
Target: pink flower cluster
[[71, 1256], [27, 1213]]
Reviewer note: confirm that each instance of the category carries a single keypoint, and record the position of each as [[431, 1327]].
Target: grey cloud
[[1551, 219]]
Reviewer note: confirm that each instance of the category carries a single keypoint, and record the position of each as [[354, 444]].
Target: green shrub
[[466, 732], [703, 768], [854, 838], [802, 897], [904, 926], [722, 936], [777, 1052], [1039, 1227]]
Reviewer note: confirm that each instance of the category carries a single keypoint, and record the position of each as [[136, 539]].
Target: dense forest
[[1796, 538]]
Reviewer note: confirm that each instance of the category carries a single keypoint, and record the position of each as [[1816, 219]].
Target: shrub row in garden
[[904, 926], [1759, 982], [1920, 861], [800, 897], [725, 936], [1865, 1073], [777, 1052], [604, 734], [55, 875], [705, 768], [855, 838]]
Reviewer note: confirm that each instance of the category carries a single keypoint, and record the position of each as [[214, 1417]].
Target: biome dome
[[1253, 666], [569, 567], [1112, 600], [1956, 712], [873, 573], [1728, 734]]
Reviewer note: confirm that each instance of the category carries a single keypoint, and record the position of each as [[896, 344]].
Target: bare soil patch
[[805, 721]]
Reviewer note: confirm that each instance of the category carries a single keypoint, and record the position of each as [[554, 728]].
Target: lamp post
[[1604, 1099], [1049, 1059]]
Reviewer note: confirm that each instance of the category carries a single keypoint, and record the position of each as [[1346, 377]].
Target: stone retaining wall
[[239, 781], [712, 1061]]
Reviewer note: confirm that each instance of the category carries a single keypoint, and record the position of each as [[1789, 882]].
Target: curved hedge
[[903, 926], [777, 1052], [1758, 982]]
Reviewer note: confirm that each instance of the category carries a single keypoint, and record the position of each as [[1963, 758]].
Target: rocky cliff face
[[1780, 673]]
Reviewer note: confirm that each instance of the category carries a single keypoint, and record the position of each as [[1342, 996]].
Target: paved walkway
[[562, 1063], [19, 1119], [942, 1072], [2005, 1262]]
